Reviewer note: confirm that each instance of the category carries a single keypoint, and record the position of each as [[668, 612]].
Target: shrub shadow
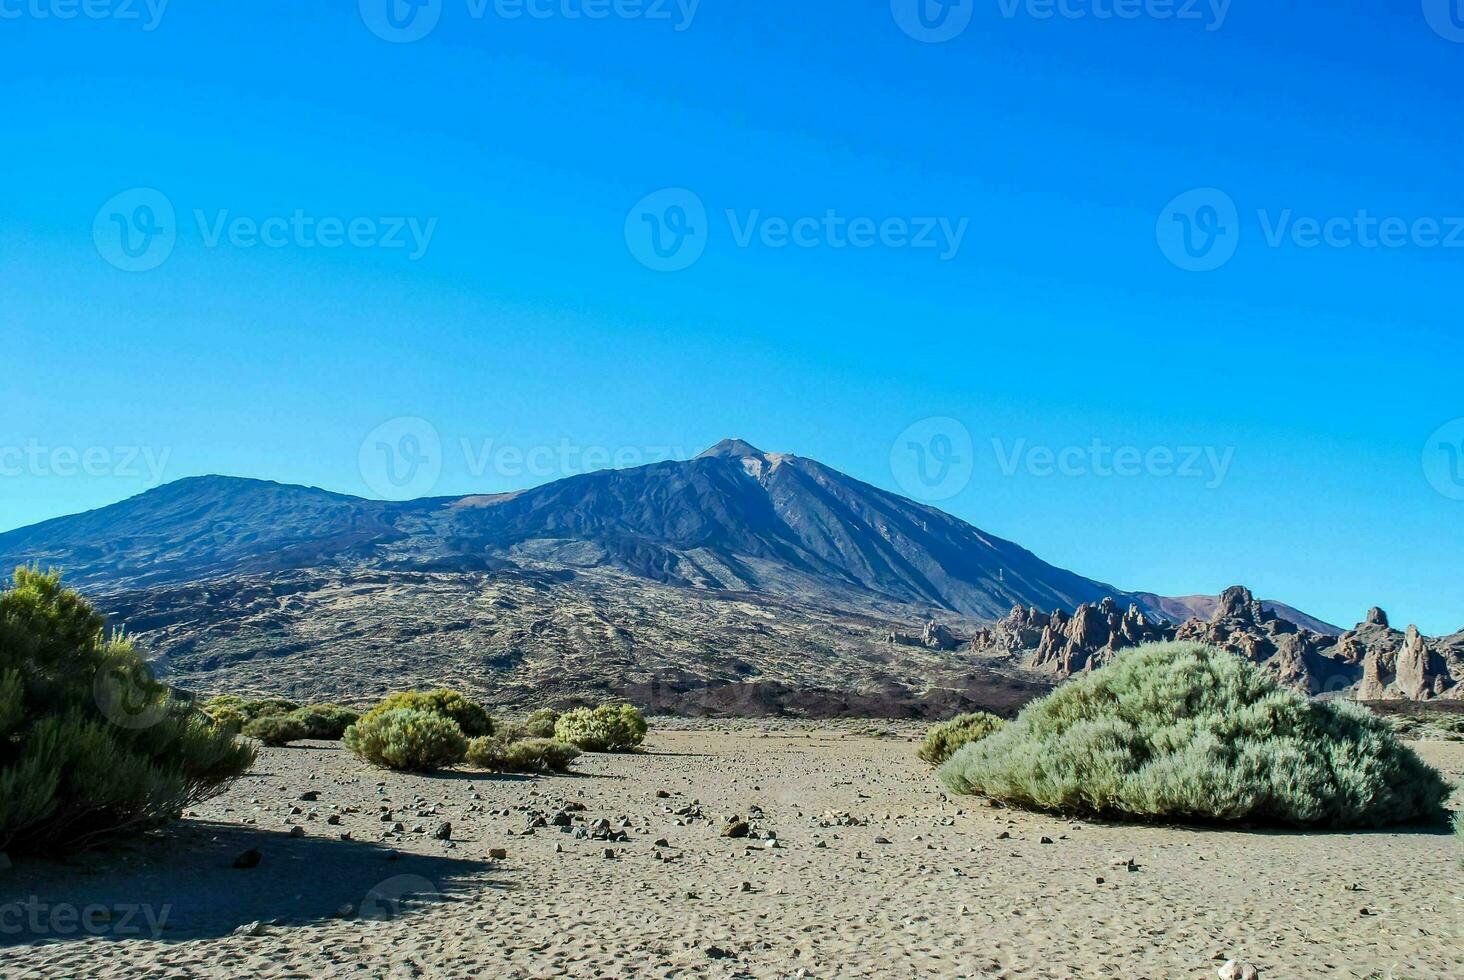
[[175, 887]]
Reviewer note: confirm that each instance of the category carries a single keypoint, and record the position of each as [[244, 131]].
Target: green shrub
[[608, 728], [276, 730], [470, 716], [1183, 731], [232, 706], [408, 739], [91, 744], [943, 740], [228, 718], [525, 755], [541, 723], [325, 721]]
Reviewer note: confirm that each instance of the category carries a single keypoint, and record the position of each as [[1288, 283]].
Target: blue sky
[[1286, 376]]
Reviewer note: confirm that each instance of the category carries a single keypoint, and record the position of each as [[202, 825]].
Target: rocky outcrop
[[935, 636], [1372, 661], [1408, 670], [1062, 644]]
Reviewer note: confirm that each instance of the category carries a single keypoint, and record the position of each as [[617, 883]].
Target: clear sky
[[571, 229]]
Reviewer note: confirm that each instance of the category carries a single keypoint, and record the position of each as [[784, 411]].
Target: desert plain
[[854, 864]]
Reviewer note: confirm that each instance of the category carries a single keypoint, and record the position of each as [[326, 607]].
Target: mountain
[[733, 518], [738, 580]]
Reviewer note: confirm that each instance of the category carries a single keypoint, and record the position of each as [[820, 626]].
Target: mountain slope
[[733, 518]]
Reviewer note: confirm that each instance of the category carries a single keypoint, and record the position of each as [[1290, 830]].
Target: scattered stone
[[310, 796], [608, 853], [443, 831], [252, 929], [716, 953], [249, 859], [297, 831], [746, 886], [1236, 970], [334, 819], [498, 853], [736, 828], [1046, 840]]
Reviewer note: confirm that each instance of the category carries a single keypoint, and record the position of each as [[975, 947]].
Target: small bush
[[91, 744], [1183, 731], [228, 718], [524, 755], [232, 705], [471, 717], [942, 741], [276, 730], [541, 723], [326, 721], [407, 739], [607, 728]]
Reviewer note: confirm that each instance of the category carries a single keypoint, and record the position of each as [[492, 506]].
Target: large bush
[[469, 715], [327, 722], [524, 755], [407, 739], [276, 730], [942, 741], [608, 728], [1183, 731], [91, 744], [540, 724]]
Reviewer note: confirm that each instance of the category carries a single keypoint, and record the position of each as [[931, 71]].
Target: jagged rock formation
[[1408, 669], [1296, 657], [1370, 662], [1064, 644], [935, 636]]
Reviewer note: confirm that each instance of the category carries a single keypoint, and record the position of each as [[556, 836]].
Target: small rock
[[297, 831], [252, 929], [1236, 970], [1046, 840], [608, 853], [746, 886], [716, 953], [249, 859], [736, 828], [498, 853], [309, 796], [334, 819], [443, 831]]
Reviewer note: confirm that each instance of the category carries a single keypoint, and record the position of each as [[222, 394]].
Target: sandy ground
[[922, 886]]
